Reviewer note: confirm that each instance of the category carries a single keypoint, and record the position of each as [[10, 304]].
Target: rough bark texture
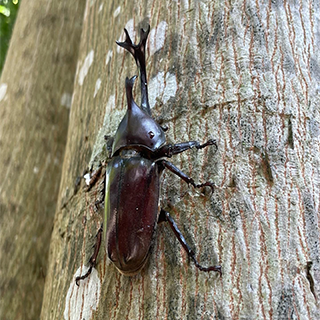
[[35, 97], [245, 73]]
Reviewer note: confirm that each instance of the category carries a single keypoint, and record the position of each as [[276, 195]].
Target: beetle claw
[[84, 276], [210, 142], [206, 184]]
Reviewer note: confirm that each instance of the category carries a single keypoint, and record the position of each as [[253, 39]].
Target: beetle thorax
[[137, 128]]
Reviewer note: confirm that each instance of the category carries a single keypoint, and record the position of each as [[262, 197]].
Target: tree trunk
[[246, 74], [35, 97]]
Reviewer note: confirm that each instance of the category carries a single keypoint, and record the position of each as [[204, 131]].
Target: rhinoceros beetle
[[133, 180]]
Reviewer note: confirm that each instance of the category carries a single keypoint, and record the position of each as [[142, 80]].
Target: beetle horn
[[127, 44], [129, 87], [137, 50], [139, 53]]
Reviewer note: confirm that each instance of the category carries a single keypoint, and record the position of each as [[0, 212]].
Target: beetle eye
[[151, 134]]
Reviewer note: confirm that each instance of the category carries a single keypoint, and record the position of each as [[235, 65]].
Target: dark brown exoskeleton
[[133, 180]]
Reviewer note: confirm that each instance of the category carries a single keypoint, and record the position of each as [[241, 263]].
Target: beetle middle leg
[[184, 177], [93, 259], [165, 216]]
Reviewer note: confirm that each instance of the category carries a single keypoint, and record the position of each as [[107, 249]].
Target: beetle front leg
[[165, 216], [93, 259], [184, 177], [92, 179], [171, 149]]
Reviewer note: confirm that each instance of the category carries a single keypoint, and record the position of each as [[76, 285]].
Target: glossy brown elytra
[[133, 180]]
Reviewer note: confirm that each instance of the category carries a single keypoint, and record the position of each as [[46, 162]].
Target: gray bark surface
[[245, 73], [35, 97]]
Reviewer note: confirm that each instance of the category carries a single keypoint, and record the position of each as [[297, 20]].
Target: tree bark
[[35, 97], [245, 73]]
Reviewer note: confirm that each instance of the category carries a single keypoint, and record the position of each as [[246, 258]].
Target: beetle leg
[[165, 216], [171, 149], [184, 177], [165, 128], [93, 259], [102, 193], [139, 53], [93, 178]]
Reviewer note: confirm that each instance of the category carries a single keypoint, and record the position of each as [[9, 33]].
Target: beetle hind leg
[[93, 259], [165, 216]]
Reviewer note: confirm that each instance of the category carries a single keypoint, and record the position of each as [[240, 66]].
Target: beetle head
[[137, 127]]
